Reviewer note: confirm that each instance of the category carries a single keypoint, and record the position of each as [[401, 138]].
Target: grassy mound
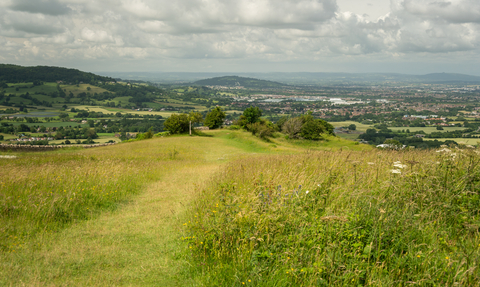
[[340, 218]]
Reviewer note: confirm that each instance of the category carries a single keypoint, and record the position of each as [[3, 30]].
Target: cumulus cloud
[[254, 30], [455, 11], [99, 36]]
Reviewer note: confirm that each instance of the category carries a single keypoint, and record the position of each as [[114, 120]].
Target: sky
[[357, 36]]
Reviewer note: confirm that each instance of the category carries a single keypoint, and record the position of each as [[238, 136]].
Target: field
[[469, 141], [427, 130], [123, 111], [228, 209], [360, 127]]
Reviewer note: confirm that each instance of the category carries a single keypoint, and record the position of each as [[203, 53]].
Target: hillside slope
[[19, 74]]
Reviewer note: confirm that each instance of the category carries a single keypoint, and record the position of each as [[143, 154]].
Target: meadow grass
[[104, 216], [344, 218], [229, 209]]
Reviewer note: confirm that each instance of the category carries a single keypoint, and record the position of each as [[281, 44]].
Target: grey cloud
[[460, 11], [243, 30], [24, 24], [47, 7]]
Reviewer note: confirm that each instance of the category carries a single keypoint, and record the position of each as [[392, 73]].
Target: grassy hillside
[[19, 74], [228, 209]]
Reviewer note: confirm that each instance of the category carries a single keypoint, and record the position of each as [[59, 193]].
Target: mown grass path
[[136, 245]]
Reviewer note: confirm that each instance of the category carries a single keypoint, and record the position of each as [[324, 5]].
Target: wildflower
[[444, 150], [306, 192], [370, 163], [395, 171], [398, 164]]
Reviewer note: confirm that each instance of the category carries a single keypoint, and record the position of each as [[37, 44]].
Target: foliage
[[177, 124], [312, 130], [262, 129], [252, 115], [306, 127], [214, 118], [368, 220], [292, 127]]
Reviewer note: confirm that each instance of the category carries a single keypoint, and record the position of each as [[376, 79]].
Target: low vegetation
[[373, 218]]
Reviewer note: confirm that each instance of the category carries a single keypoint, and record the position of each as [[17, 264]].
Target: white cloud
[[267, 31], [99, 36]]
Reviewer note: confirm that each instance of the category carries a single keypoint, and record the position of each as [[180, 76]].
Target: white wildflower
[[444, 150], [370, 163], [306, 192], [395, 171], [8, 156], [398, 164]]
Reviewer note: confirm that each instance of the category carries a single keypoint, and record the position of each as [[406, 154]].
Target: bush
[[177, 123], [293, 127], [312, 130], [234, 127], [214, 118]]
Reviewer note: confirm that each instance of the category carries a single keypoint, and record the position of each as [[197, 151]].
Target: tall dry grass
[[374, 218], [45, 192]]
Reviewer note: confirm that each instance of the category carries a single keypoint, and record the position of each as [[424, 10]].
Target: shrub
[[214, 118], [293, 127], [177, 123]]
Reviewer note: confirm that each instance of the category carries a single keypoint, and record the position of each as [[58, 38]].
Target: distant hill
[[19, 74], [235, 81], [301, 78], [449, 77]]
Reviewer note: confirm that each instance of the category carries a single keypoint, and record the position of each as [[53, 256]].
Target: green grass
[[208, 211], [348, 136], [82, 88], [360, 127], [339, 219]]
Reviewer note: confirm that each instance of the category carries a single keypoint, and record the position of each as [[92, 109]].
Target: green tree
[[352, 127], [177, 123], [214, 118], [252, 115], [312, 130]]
